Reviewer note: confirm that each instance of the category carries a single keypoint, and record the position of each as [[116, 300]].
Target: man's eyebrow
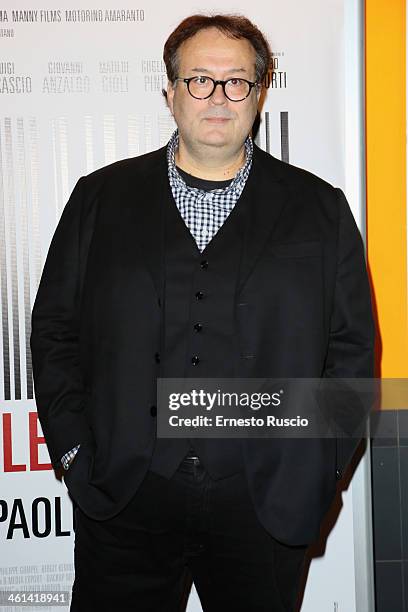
[[201, 70]]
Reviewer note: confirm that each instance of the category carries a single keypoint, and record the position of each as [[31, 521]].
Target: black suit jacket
[[96, 327]]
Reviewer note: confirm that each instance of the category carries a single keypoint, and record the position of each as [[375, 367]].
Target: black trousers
[[178, 530]]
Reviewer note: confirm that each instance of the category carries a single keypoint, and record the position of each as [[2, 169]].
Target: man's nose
[[218, 96]]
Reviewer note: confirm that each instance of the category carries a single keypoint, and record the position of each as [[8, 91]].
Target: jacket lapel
[[150, 218], [268, 194]]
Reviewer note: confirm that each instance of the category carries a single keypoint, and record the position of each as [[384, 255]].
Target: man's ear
[[170, 96], [261, 95]]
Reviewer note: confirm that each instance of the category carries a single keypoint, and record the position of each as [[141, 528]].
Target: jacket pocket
[[297, 249]]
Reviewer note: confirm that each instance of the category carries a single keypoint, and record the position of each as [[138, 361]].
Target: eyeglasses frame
[[216, 82]]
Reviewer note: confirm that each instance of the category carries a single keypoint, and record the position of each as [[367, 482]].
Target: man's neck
[[210, 169]]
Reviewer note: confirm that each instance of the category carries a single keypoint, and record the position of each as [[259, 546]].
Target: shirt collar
[[176, 178]]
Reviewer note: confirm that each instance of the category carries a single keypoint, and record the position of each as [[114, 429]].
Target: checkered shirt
[[204, 212]]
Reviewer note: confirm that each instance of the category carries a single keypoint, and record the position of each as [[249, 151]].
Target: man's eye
[[235, 82], [201, 80]]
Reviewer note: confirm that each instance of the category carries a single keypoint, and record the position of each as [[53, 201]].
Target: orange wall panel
[[385, 35]]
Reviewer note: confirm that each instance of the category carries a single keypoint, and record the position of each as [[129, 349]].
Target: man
[[205, 258]]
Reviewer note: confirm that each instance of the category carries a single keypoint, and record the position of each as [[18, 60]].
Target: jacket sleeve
[[54, 341], [350, 352]]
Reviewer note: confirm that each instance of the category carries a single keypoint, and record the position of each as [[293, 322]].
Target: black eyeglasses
[[202, 87]]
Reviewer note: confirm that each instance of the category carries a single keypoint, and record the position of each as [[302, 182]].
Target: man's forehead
[[208, 49]]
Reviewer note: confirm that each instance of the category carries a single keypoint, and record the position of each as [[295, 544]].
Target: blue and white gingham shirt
[[203, 211]]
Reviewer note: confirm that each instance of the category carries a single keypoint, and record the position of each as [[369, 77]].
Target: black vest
[[199, 328]]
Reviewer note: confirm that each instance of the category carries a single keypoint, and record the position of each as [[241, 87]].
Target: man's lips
[[217, 119]]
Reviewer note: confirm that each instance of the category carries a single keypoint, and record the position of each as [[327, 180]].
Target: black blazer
[[96, 328]]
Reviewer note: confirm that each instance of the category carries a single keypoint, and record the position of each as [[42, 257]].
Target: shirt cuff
[[67, 459]]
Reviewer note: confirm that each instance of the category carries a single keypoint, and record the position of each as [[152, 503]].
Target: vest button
[[153, 411], [204, 264], [199, 295], [339, 475], [198, 327], [195, 360], [157, 357]]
